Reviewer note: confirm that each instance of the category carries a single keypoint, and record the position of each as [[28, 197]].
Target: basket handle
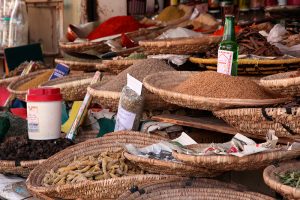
[[270, 118]]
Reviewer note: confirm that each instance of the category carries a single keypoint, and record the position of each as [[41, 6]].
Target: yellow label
[[174, 2]]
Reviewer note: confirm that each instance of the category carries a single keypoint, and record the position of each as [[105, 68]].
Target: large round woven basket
[[74, 87], [177, 183], [234, 163], [271, 178], [115, 66], [80, 47], [12, 87], [284, 83], [179, 45], [162, 83], [6, 81], [103, 189], [156, 166], [258, 121], [79, 64], [110, 99]]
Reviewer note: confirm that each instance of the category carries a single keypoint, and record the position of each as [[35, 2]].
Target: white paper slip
[[134, 84], [225, 59], [184, 139]]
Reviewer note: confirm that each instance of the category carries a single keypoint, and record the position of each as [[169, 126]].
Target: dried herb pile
[[290, 178], [250, 42], [217, 85]]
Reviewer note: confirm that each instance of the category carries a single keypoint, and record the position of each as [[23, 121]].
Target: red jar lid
[[43, 94]]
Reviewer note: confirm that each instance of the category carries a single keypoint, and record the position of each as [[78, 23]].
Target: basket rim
[[201, 99], [68, 81], [85, 62], [280, 82], [247, 61]]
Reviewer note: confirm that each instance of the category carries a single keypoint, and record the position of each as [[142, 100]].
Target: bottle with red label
[[228, 49]]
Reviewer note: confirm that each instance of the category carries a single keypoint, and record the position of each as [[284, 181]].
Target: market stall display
[[164, 85], [282, 179]]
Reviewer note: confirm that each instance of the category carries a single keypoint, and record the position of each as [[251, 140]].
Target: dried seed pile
[[21, 148], [139, 70], [36, 81], [217, 85], [99, 167], [290, 178]]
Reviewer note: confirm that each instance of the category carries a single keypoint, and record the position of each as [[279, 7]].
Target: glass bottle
[[5, 33], [18, 27], [228, 49]]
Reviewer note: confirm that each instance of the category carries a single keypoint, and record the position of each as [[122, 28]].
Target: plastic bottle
[[5, 33], [18, 27]]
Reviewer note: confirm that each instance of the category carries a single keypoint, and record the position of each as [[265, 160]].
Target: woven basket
[[199, 194], [115, 66], [258, 121], [5, 82], [12, 87], [104, 189], [229, 162], [179, 45], [73, 87], [110, 99], [79, 64], [272, 180], [161, 83], [156, 166], [81, 47], [282, 83], [144, 191]]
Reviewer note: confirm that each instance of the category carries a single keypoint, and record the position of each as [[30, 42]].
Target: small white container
[[44, 108]]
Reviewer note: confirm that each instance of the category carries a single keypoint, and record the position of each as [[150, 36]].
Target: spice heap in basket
[[103, 166]]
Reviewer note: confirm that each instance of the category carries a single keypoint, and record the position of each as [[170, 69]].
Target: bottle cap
[[229, 15], [44, 94]]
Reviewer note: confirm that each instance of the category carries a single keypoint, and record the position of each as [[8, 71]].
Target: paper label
[[33, 120], [124, 120], [134, 84], [225, 59]]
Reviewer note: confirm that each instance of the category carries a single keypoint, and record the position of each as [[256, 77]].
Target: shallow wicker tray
[[156, 166], [6, 81], [272, 180], [179, 45], [228, 162], [104, 189], [282, 83], [161, 83], [76, 47], [79, 64], [201, 193], [12, 87], [258, 121], [115, 66], [177, 183], [110, 99]]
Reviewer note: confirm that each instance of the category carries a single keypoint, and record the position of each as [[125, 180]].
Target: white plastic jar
[[44, 108]]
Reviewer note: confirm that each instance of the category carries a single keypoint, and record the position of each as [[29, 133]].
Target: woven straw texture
[[179, 45], [258, 121], [23, 168], [168, 186], [104, 189], [115, 66], [272, 180], [79, 64], [5, 82], [161, 84], [74, 87], [110, 99], [283, 83], [156, 166], [70, 47], [228, 162], [12, 87]]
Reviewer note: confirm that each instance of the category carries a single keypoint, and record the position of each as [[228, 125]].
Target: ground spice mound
[[217, 85], [36, 81], [138, 70]]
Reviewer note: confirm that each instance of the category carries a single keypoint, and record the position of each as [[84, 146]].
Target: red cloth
[[220, 31], [4, 94], [20, 112], [115, 25]]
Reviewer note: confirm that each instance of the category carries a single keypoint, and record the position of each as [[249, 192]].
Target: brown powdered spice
[[138, 70], [217, 85], [36, 81]]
